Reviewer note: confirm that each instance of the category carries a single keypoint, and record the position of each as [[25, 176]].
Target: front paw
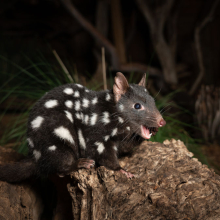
[[85, 163], [128, 174]]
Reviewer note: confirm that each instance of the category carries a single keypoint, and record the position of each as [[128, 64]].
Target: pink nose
[[162, 123]]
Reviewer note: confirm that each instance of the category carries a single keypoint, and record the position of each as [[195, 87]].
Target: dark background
[[48, 22], [27, 26]]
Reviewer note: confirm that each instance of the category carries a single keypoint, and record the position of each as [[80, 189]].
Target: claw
[[128, 174], [85, 163]]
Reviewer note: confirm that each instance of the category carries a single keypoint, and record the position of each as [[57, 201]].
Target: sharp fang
[[150, 134]]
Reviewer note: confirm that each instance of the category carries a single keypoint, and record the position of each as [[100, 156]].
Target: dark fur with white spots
[[55, 138]]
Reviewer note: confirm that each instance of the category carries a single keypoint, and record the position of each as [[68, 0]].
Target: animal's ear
[[120, 86], [143, 81]]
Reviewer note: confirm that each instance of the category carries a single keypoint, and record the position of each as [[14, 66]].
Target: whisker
[[168, 104], [166, 110], [129, 134], [158, 93]]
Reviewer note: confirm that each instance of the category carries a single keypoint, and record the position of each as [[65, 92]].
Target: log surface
[[18, 201], [169, 184]]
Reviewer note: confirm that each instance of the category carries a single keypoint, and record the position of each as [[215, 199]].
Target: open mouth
[[147, 132]]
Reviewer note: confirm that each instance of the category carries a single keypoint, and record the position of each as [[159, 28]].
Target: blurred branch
[[162, 13], [132, 29], [102, 26], [172, 28], [139, 67], [156, 20], [104, 69], [92, 30], [147, 14], [198, 47], [116, 62], [102, 17], [118, 29]]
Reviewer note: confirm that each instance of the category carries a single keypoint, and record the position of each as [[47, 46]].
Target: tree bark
[[18, 201], [169, 184]]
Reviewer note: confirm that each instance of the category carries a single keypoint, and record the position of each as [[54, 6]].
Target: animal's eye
[[137, 106]]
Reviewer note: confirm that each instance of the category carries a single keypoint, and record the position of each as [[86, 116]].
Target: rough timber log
[[18, 201], [169, 184]]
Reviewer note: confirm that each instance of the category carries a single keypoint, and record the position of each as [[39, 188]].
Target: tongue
[[145, 133]]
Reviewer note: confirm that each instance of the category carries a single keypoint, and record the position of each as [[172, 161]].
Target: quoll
[[72, 127]]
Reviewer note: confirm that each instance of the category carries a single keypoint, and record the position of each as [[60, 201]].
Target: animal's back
[[66, 123], [70, 127]]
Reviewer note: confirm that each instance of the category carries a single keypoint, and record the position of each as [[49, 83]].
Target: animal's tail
[[18, 171]]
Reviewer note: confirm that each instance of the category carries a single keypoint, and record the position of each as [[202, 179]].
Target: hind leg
[[71, 165], [54, 146], [63, 161]]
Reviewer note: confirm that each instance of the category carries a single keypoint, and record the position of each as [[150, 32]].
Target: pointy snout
[[161, 123]]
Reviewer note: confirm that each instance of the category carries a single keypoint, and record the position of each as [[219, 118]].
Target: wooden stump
[[18, 201], [169, 184]]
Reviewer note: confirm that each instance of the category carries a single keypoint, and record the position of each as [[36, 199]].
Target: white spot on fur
[[87, 90], [114, 132], [36, 123], [121, 120], [37, 154], [86, 119], [52, 148], [115, 148], [76, 94], [51, 103], [64, 134], [100, 146], [68, 91], [93, 119], [106, 137], [81, 140], [79, 85], [69, 104], [69, 116], [121, 107], [82, 116], [85, 103], [105, 118], [145, 90], [77, 105], [30, 142], [107, 97], [95, 100], [78, 115], [128, 128]]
